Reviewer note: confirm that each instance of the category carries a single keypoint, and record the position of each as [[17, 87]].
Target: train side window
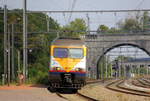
[[60, 52]]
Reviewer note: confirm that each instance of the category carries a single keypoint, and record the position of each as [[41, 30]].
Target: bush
[[38, 74]]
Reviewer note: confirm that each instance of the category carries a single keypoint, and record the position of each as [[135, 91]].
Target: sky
[[79, 4], [96, 19]]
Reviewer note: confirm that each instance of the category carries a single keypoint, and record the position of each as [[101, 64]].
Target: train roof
[[68, 41]]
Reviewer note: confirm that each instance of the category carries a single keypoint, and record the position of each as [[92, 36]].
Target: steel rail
[[87, 98], [125, 90], [139, 84], [80, 95]]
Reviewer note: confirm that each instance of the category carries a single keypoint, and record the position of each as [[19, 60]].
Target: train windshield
[[76, 53], [61, 52], [71, 53]]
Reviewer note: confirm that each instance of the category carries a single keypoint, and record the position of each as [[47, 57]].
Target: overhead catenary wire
[[82, 11], [72, 7], [138, 6], [64, 15]]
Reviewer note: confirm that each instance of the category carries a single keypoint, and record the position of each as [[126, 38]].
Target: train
[[67, 63]]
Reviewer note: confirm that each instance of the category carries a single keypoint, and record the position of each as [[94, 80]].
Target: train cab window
[[76, 53], [60, 52]]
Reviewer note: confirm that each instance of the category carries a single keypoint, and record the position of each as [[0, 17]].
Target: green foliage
[[136, 24], [38, 43], [38, 73], [102, 68], [139, 23], [103, 28], [75, 28], [1, 22], [113, 30], [131, 25], [122, 58], [1, 58], [146, 21], [1, 44], [37, 22]]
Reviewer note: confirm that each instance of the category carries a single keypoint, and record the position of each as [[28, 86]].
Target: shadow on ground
[[62, 90], [39, 86]]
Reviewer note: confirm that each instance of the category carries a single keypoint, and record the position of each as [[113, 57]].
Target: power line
[[137, 7], [90, 11], [73, 5], [81, 11]]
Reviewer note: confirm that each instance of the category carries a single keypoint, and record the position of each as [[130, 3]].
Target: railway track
[[141, 82], [146, 80], [80, 96], [93, 81], [119, 86], [138, 84], [76, 96]]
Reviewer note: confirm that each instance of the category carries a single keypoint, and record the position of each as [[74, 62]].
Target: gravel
[[101, 93]]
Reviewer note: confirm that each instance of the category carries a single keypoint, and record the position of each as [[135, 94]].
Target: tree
[[102, 28], [75, 28], [136, 24], [131, 24], [145, 21], [37, 42], [1, 43], [102, 67]]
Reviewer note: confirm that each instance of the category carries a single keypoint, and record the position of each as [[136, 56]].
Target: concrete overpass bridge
[[99, 44]]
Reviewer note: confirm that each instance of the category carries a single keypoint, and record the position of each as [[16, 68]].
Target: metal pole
[[101, 69], [111, 70], [12, 53], [26, 50], [18, 62], [5, 43], [106, 66], [103, 66], [88, 23], [147, 70], [131, 70], [139, 71], [47, 20], [103, 61], [8, 56], [24, 40], [124, 71], [119, 68]]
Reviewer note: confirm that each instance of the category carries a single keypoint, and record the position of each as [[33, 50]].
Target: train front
[[67, 64]]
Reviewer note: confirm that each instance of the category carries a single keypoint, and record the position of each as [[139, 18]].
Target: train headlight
[[56, 68], [79, 69]]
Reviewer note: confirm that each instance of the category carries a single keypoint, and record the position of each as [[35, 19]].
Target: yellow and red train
[[67, 63]]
